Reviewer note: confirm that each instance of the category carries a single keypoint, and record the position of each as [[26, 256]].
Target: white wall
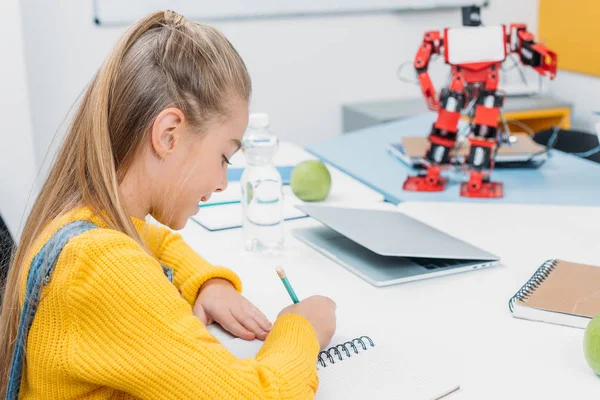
[[17, 166], [583, 91], [303, 69]]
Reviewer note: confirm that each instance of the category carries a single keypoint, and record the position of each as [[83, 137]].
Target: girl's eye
[[226, 161]]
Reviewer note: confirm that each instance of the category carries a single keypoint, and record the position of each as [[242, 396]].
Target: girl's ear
[[167, 130]]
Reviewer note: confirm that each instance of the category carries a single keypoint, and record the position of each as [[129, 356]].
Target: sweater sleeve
[[190, 270], [133, 332]]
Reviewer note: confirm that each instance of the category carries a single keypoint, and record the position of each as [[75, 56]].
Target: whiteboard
[[125, 12]]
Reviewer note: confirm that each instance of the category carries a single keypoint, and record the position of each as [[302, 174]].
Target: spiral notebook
[[359, 368], [559, 292]]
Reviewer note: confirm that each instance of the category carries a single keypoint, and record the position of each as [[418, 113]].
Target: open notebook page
[[387, 371]]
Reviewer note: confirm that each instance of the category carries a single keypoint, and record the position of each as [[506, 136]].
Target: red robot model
[[475, 54]]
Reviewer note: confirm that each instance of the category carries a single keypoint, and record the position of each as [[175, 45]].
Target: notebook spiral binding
[[533, 283], [329, 356]]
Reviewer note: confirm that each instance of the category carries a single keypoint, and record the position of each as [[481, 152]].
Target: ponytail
[[162, 60]]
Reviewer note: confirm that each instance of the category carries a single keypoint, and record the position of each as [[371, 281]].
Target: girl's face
[[191, 165]]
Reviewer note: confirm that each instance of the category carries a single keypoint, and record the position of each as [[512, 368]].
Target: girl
[[105, 306]]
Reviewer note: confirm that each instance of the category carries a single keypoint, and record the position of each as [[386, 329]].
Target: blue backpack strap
[[168, 273], [39, 274]]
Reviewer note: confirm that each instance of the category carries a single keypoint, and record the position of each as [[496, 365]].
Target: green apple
[[591, 344], [311, 181]]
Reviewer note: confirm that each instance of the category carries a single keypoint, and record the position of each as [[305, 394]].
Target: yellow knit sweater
[[111, 325]]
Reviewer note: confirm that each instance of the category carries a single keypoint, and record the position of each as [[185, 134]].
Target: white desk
[[501, 357], [344, 189]]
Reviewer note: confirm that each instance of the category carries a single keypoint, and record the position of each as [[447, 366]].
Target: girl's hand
[[218, 301], [320, 312]]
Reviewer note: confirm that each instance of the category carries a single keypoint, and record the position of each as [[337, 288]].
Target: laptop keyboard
[[436, 263]]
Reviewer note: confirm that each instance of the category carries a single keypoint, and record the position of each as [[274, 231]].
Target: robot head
[[471, 16]]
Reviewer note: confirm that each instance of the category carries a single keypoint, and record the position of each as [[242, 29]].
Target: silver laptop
[[388, 247]]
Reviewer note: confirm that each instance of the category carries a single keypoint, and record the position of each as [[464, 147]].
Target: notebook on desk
[[229, 216], [559, 292], [524, 152], [362, 367]]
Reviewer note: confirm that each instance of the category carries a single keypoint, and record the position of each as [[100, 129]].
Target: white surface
[[303, 69], [17, 162], [475, 44], [117, 11], [258, 120], [583, 91], [343, 189], [528, 88], [502, 357]]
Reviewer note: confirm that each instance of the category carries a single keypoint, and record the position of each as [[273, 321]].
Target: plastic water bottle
[[262, 197]]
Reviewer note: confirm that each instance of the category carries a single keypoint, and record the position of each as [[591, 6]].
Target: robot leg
[[442, 140], [483, 140]]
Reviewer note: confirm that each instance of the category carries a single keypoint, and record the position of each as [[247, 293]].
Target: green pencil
[[287, 285]]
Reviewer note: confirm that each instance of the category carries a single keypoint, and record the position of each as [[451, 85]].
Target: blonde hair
[[161, 61]]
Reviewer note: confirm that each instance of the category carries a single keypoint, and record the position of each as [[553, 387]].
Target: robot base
[[487, 190], [424, 184]]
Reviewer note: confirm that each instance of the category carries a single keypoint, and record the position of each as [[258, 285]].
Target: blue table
[[563, 180]]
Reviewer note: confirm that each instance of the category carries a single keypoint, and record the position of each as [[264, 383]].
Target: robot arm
[[432, 44], [536, 55]]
